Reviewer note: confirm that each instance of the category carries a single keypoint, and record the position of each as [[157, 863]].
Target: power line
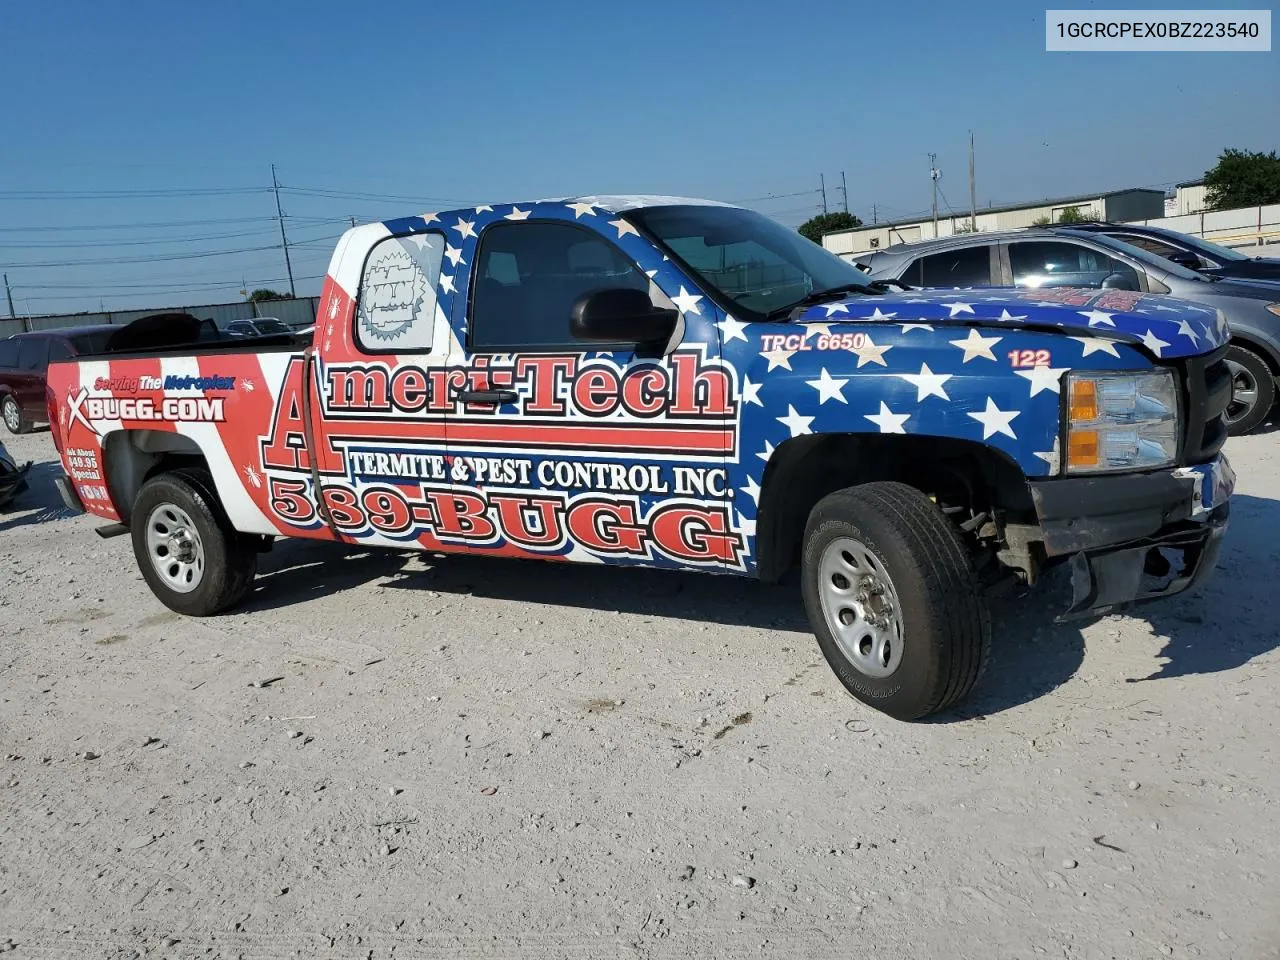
[[118, 242], [129, 194]]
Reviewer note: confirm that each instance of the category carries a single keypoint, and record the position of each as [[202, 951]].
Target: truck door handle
[[487, 396]]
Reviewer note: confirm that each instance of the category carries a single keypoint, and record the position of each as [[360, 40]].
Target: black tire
[[11, 413], [229, 558], [944, 620], [1249, 372]]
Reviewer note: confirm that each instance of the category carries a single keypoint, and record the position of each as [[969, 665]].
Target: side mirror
[[620, 315]]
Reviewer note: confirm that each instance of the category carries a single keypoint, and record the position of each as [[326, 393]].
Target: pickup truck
[[664, 382]]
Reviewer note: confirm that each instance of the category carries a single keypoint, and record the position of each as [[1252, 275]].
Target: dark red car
[[25, 357]]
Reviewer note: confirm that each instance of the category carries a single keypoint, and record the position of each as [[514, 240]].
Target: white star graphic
[[1007, 317], [828, 387], [752, 490], [778, 357], [517, 214], [751, 392], [731, 329], [976, 345], [870, 353], [1043, 378], [430, 218], [1052, 457], [832, 308], [794, 422], [908, 327], [927, 383], [768, 451], [959, 306], [685, 301], [748, 527], [582, 209], [1098, 318], [878, 314], [887, 420], [454, 254], [446, 284], [483, 207], [822, 328], [1167, 309], [466, 228], [994, 420], [624, 227], [1154, 343], [1184, 328], [1096, 344]]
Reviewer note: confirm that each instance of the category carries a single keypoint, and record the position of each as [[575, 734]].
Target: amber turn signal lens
[[1083, 448], [1084, 401]]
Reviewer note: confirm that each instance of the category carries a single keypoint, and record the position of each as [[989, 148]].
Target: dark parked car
[[1062, 257], [258, 327], [24, 358], [1208, 258]]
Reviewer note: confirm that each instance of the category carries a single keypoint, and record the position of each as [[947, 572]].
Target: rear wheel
[[187, 550], [14, 421], [1253, 390], [893, 599]]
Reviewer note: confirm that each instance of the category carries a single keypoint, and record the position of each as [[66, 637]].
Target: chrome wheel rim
[[12, 419], [861, 607], [175, 548], [1244, 392]]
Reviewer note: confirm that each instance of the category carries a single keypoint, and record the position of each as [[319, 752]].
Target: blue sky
[[515, 100]]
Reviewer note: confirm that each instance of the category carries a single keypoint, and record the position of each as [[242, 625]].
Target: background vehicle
[[661, 382], [24, 358], [1211, 259], [1059, 256], [258, 327]]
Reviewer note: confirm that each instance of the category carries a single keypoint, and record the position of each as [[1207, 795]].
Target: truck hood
[[1163, 326]]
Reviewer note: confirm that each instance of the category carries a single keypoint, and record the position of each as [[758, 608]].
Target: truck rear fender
[[131, 457], [966, 478]]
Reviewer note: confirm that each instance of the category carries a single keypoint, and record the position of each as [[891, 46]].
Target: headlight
[[1121, 421]]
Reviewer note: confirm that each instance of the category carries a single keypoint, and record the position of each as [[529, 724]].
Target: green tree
[[263, 294], [815, 227], [1072, 215], [1243, 178]]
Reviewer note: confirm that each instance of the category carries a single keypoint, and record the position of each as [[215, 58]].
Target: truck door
[[575, 450]]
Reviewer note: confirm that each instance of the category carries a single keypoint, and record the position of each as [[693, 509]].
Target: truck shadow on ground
[[39, 502], [1222, 626]]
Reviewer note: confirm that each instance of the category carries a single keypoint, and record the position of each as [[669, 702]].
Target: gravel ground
[[385, 755]]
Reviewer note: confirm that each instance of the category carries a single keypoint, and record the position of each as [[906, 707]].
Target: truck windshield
[[751, 261]]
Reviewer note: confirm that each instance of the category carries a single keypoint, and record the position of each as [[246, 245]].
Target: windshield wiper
[[818, 296]]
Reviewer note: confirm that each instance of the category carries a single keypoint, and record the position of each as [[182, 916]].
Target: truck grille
[[1206, 393]]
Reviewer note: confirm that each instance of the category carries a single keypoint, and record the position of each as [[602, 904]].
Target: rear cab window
[[396, 307]]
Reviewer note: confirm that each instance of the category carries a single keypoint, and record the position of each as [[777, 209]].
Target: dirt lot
[[472, 758]]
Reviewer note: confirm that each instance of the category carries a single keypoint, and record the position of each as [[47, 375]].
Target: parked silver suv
[[1061, 257]]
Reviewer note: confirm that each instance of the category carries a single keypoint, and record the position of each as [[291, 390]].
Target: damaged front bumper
[[1127, 539]]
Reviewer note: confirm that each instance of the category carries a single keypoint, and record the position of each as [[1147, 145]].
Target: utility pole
[[822, 181], [9, 293], [874, 219], [353, 220], [934, 173], [973, 192], [844, 191], [275, 185]]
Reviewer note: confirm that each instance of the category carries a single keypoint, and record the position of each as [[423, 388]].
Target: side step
[[111, 530]]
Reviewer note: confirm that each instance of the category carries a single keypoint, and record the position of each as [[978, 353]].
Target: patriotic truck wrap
[[665, 382]]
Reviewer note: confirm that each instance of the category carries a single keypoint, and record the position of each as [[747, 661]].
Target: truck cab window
[[527, 277], [396, 306]]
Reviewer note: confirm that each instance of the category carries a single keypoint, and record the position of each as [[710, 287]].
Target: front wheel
[[893, 599], [194, 560], [1253, 390], [14, 421]]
